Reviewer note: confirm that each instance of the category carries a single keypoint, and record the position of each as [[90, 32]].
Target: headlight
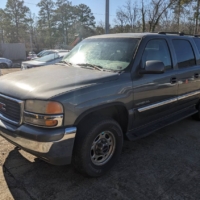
[[47, 114]]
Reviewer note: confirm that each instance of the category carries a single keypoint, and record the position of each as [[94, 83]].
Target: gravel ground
[[162, 166]]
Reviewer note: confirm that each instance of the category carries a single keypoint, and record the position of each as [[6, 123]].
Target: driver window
[[157, 50]]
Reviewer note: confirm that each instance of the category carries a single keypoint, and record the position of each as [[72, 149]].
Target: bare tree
[[131, 11], [100, 28], [127, 15], [157, 9], [143, 12], [121, 18]]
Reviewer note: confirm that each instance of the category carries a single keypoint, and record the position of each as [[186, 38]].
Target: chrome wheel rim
[[103, 148]]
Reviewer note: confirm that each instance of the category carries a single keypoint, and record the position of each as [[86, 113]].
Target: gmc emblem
[[2, 106]]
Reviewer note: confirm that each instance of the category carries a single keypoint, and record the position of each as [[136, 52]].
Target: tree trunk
[[143, 18], [197, 17]]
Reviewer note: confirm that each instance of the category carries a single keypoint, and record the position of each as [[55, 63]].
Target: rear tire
[[97, 147]]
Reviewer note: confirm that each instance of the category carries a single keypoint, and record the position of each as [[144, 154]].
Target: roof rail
[[178, 33], [175, 33]]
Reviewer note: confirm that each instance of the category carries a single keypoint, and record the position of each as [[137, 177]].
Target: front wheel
[[97, 146], [3, 65]]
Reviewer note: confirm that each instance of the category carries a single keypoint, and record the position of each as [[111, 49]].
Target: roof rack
[[175, 33], [178, 33]]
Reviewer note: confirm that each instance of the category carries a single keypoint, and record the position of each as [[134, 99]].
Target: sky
[[97, 7]]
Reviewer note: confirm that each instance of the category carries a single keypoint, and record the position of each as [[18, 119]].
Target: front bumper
[[52, 145]]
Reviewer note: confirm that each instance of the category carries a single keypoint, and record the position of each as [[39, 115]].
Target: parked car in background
[[31, 56], [31, 52], [46, 60], [45, 53], [5, 63], [48, 52]]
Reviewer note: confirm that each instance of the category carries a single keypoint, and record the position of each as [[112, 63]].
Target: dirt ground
[[6, 71], [162, 166]]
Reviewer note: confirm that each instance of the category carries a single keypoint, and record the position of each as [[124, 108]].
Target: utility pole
[[107, 17]]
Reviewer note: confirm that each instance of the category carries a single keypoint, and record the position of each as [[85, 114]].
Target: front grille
[[12, 109]]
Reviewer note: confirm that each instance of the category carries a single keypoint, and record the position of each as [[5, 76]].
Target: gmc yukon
[[107, 89]]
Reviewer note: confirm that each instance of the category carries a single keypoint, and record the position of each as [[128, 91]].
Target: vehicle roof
[[4, 58], [137, 35]]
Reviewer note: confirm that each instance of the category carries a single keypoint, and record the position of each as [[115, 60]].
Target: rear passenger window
[[157, 50], [197, 42], [184, 53]]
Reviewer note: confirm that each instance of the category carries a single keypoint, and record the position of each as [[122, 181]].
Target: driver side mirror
[[153, 67]]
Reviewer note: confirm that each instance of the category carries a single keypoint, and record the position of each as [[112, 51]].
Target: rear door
[[188, 73]]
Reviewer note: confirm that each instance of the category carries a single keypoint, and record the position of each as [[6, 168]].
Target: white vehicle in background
[[47, 52], [5, 63], [43, 61]]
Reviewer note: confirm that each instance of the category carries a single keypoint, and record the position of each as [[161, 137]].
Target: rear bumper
[[52, 145]]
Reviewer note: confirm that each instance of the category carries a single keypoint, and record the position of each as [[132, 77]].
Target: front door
[[155, 95]]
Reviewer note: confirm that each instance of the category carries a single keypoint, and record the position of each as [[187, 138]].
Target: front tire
[[98, 145], [3, 66]]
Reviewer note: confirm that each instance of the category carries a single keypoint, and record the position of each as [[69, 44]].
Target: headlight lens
[[43, 107], [47, 114]]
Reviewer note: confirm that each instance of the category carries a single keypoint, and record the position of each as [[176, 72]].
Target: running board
[[149, 128]]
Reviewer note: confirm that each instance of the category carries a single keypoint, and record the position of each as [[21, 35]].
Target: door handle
[[173, 80], [196, 75]]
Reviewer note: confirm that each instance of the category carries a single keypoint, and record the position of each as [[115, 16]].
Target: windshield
[[40, 53], [108, 53], [48, 57]]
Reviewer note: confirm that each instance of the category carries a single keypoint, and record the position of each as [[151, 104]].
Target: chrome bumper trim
[[40, 147]]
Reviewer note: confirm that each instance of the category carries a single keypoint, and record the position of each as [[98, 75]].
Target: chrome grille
[[12, 109]]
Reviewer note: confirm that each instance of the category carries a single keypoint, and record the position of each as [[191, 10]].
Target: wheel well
[[4, 64], [117, 112]]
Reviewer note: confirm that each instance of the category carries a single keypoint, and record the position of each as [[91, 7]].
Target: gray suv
[[107, 89]]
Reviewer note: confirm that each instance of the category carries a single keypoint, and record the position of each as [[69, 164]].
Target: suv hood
[[46, 82]]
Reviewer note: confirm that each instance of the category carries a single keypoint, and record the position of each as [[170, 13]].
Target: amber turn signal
[[51, 123], [54, 108]]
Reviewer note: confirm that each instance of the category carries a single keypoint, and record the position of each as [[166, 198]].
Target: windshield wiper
[[100, 68]]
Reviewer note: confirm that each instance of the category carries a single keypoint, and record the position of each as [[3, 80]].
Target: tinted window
[[197, 42], [184, 53], [157, 50]]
